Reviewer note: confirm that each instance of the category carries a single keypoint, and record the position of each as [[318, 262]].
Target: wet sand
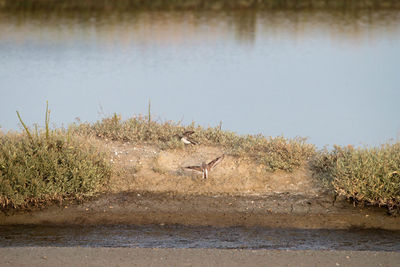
[[78, 256], [144, 208]]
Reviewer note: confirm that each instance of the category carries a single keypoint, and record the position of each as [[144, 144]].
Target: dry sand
[[147, 168], [79, 256]]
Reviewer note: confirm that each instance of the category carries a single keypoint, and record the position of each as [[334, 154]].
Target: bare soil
[[150, 186]]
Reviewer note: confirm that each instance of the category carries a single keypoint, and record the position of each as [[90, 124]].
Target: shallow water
[[198, 237], [331, 76]]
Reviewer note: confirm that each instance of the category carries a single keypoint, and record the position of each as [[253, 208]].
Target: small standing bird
[[205, 168], [186, 139]]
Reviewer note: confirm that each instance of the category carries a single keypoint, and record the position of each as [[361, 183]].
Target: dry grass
[[277, 153]]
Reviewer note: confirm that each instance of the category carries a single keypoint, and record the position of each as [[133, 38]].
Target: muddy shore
[[143, 208]]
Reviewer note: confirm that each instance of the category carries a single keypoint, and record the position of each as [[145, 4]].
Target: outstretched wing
[[214, 162], [191, 141], [187, 133], [195, 168]]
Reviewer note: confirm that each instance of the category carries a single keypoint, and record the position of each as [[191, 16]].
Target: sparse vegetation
[[47, 165], [364, 175], [277, 153]]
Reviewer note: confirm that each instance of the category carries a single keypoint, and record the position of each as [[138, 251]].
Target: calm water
[[330, 76], [198, 237]]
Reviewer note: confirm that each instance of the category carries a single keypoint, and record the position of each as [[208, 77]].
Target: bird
[[186, 139], [205, 168]]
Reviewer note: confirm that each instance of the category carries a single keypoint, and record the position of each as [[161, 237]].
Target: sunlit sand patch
[[146, 168]]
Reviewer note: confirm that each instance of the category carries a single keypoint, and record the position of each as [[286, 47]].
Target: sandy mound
[[146, 168]]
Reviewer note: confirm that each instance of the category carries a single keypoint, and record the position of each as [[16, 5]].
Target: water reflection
[[327, 74], [176, 27]]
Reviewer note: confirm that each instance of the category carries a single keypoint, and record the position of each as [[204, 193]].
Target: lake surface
[[198, 237], [331, 76]]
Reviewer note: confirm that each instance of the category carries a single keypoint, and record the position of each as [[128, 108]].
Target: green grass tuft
[[43, 170], [365, 175], [48, 166]]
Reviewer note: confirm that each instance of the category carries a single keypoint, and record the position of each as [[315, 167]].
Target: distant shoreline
[[196, 5]]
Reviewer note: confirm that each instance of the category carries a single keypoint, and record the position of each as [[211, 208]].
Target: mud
[[144, 208]]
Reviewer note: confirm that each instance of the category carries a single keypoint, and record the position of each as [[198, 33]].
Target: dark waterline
[[199, 237]]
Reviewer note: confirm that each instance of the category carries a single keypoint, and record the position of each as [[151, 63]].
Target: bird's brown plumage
[[206, 168]]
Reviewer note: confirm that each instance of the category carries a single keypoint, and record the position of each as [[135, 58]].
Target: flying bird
[[205, 168]]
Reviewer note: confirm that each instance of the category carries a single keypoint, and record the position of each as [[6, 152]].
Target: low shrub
[[48, 165], [365, 175], [42, 170]]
